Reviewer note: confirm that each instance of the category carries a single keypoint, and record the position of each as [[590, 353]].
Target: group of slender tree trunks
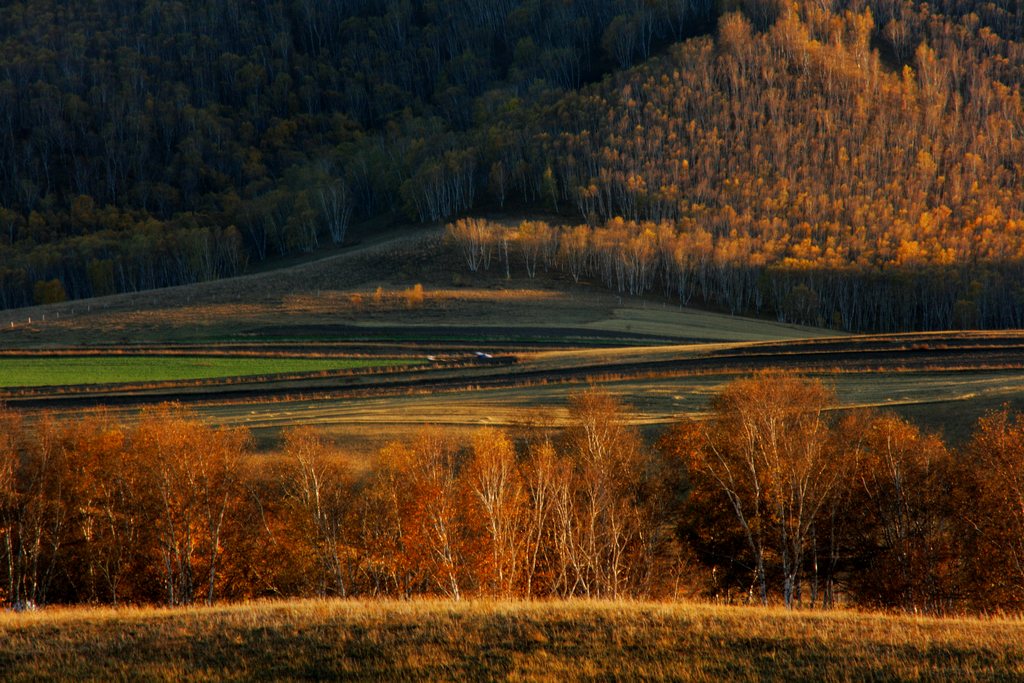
[[694, 266], [775, 498]]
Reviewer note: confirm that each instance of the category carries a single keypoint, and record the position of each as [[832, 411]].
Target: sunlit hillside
[[521, 641]]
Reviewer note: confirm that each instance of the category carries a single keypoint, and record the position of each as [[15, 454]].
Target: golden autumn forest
[[774, 498]]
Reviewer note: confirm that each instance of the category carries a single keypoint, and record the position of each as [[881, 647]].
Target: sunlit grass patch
[[476, 640], [118, 369]]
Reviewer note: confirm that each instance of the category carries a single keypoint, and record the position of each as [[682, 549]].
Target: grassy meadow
[[36, 371], [438, 640], [947, 402]]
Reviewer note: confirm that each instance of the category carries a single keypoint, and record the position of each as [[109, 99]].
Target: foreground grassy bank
[[522, 641]]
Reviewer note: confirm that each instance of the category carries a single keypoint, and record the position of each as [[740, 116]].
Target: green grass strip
[[72, 370]]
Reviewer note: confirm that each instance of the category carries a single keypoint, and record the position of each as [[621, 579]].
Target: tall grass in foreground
[[440, 640]]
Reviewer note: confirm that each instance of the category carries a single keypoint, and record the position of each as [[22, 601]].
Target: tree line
[[777, 497], [692, 265]]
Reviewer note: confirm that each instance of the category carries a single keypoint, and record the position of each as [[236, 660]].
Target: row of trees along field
[[690, 264], [776, 498], [132, 133]]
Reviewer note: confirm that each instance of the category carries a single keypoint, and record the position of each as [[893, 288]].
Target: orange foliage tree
[[993, 510], [192, 471], [767, 450], [319, 493]]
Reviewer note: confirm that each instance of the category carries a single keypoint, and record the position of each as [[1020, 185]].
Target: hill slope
[[524, 641], [149, 144], [809, 163]]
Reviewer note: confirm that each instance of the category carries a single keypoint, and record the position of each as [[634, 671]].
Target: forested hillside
[[144, 144], [870, 157], [853, 163]]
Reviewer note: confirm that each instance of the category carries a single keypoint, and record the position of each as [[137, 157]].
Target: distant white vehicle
[[481, 354]]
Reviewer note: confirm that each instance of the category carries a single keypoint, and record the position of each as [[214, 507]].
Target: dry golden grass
[[393, 300], [949, 402], [522, 311], [390, 305], [434, 640], [701, 325]]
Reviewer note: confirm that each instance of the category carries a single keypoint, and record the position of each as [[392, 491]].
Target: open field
[[74, 370], [435, 640], [548, 337], [948, 402], [336, 298], [944, 381]]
